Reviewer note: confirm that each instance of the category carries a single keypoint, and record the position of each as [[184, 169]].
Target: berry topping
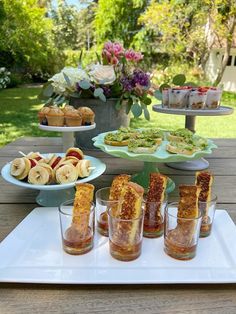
[[56, 161], [75, 154]]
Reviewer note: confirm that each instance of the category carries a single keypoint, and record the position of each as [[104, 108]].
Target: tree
[[118, 20], [187, 30], [178, 26], [27, 39], [222, 22], [65, 29]]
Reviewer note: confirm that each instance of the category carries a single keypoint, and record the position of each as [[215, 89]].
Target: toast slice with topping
[[155, 197], [82, 204]]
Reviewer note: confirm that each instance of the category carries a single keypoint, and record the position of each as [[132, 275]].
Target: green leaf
[[75, 95], [128, 106], [136, 110], [102, 97], [179, 79], [49, 102], [80, 56], [147, 101], [59, 100], [98, 58], [146, 114], [84, 84], [98, 91], [118, 105], [165, 85], [46, 91], [126, 94], [67, 79], [158, 95]]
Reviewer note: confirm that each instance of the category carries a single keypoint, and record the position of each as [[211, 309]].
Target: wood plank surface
[[16, 203]]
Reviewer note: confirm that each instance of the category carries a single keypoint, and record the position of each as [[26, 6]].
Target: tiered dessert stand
[[67, 132], [190, 123], [150, 160], [54, 194]]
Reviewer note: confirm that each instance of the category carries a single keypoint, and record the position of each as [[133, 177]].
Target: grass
[[19, 107]]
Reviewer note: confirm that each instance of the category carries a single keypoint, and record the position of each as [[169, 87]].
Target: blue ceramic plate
[[100, 167]]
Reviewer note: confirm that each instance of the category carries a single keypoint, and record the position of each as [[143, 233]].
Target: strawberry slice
[[56, 161], [33, 163], [75, 154]]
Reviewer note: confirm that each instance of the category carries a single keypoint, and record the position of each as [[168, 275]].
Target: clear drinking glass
[[125, 236], [103, 204], [77, 231], [153, 225], [208, 213], [180, 234]]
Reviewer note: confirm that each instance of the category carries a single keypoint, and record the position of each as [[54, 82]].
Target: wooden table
[[16, 203]]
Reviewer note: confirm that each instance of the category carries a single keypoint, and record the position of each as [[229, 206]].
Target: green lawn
[[19, 107]]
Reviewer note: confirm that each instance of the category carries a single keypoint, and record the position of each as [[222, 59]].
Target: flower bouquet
[[115, 75]]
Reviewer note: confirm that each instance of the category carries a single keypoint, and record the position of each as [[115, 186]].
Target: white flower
[[74, 75], [103, 74]]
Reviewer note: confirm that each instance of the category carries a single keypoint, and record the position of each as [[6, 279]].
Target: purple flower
[[78, 88], [127, 83], [141, 78], [106, 90]]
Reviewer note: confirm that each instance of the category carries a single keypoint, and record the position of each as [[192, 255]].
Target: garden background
[[39, 37]]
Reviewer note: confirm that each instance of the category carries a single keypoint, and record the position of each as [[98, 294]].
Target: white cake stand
[[190, 123], [67, 132], [55, 194]]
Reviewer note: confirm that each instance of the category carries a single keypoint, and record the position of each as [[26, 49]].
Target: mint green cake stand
[[150, 161]]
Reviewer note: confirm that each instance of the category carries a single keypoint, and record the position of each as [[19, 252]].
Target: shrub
[[4, 78]]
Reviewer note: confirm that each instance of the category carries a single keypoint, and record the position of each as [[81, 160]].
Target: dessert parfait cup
[[103, 204], [180, 234], [153, 225], [178, 98], [165, 97], [77, 231], [213, 98], [208, 212], [197, 99], [125, 236]]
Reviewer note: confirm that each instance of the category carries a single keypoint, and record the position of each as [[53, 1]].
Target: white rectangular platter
[[32, 253]]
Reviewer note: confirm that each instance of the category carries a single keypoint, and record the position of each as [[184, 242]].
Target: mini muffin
[[55, 116], [42, 115], [67, 108], [87, 115], [73, 118]]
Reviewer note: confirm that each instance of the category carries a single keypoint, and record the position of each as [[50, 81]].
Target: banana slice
[[26, 169], [50, 171], [33, 155], [39, 175], [60, 163], [83, 168], [66, 174], [17, 167]]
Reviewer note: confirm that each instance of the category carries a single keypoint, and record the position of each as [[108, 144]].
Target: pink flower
[[132, 55], [112, 52]]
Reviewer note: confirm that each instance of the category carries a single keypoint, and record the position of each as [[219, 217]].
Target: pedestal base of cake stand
[[55, 197], [143, 177], [199, 164]]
